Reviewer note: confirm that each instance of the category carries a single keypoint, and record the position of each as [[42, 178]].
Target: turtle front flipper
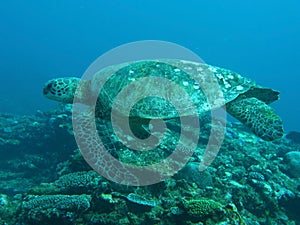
[[258, 116]]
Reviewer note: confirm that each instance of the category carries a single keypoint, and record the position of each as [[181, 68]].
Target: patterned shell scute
[[163, 88]]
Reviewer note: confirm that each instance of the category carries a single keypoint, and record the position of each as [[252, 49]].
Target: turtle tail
[[258, 116]]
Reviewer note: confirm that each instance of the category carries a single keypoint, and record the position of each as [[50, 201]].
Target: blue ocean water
[[41, 40]]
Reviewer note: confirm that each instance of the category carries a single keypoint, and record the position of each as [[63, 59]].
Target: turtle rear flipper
[[258, 116]]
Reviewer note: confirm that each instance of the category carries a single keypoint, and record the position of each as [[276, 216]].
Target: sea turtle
[[242, 98]]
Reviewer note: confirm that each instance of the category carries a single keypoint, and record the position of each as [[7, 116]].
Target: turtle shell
[[165, 88]]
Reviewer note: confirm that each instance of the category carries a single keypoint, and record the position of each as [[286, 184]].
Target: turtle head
[[63, 89]]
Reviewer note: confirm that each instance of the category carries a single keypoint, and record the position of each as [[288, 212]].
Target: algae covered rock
[[293, 163], [294, 137], [192, 174]]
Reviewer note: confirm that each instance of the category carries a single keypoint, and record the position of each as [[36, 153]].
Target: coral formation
[[43, 181], [201, 208], [51, 208]]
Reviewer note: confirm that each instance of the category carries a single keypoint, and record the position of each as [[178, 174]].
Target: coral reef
[[44, 180]]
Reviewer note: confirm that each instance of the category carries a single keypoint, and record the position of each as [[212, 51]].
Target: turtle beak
[[47, 88]]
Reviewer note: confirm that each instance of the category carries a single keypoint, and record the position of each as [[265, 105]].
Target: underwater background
[[45, 39], [43, 176]]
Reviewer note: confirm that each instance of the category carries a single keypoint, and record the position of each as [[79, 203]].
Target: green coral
[[71, 184], [62, 202], [201, 208], [49, 209], [75, 183]]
